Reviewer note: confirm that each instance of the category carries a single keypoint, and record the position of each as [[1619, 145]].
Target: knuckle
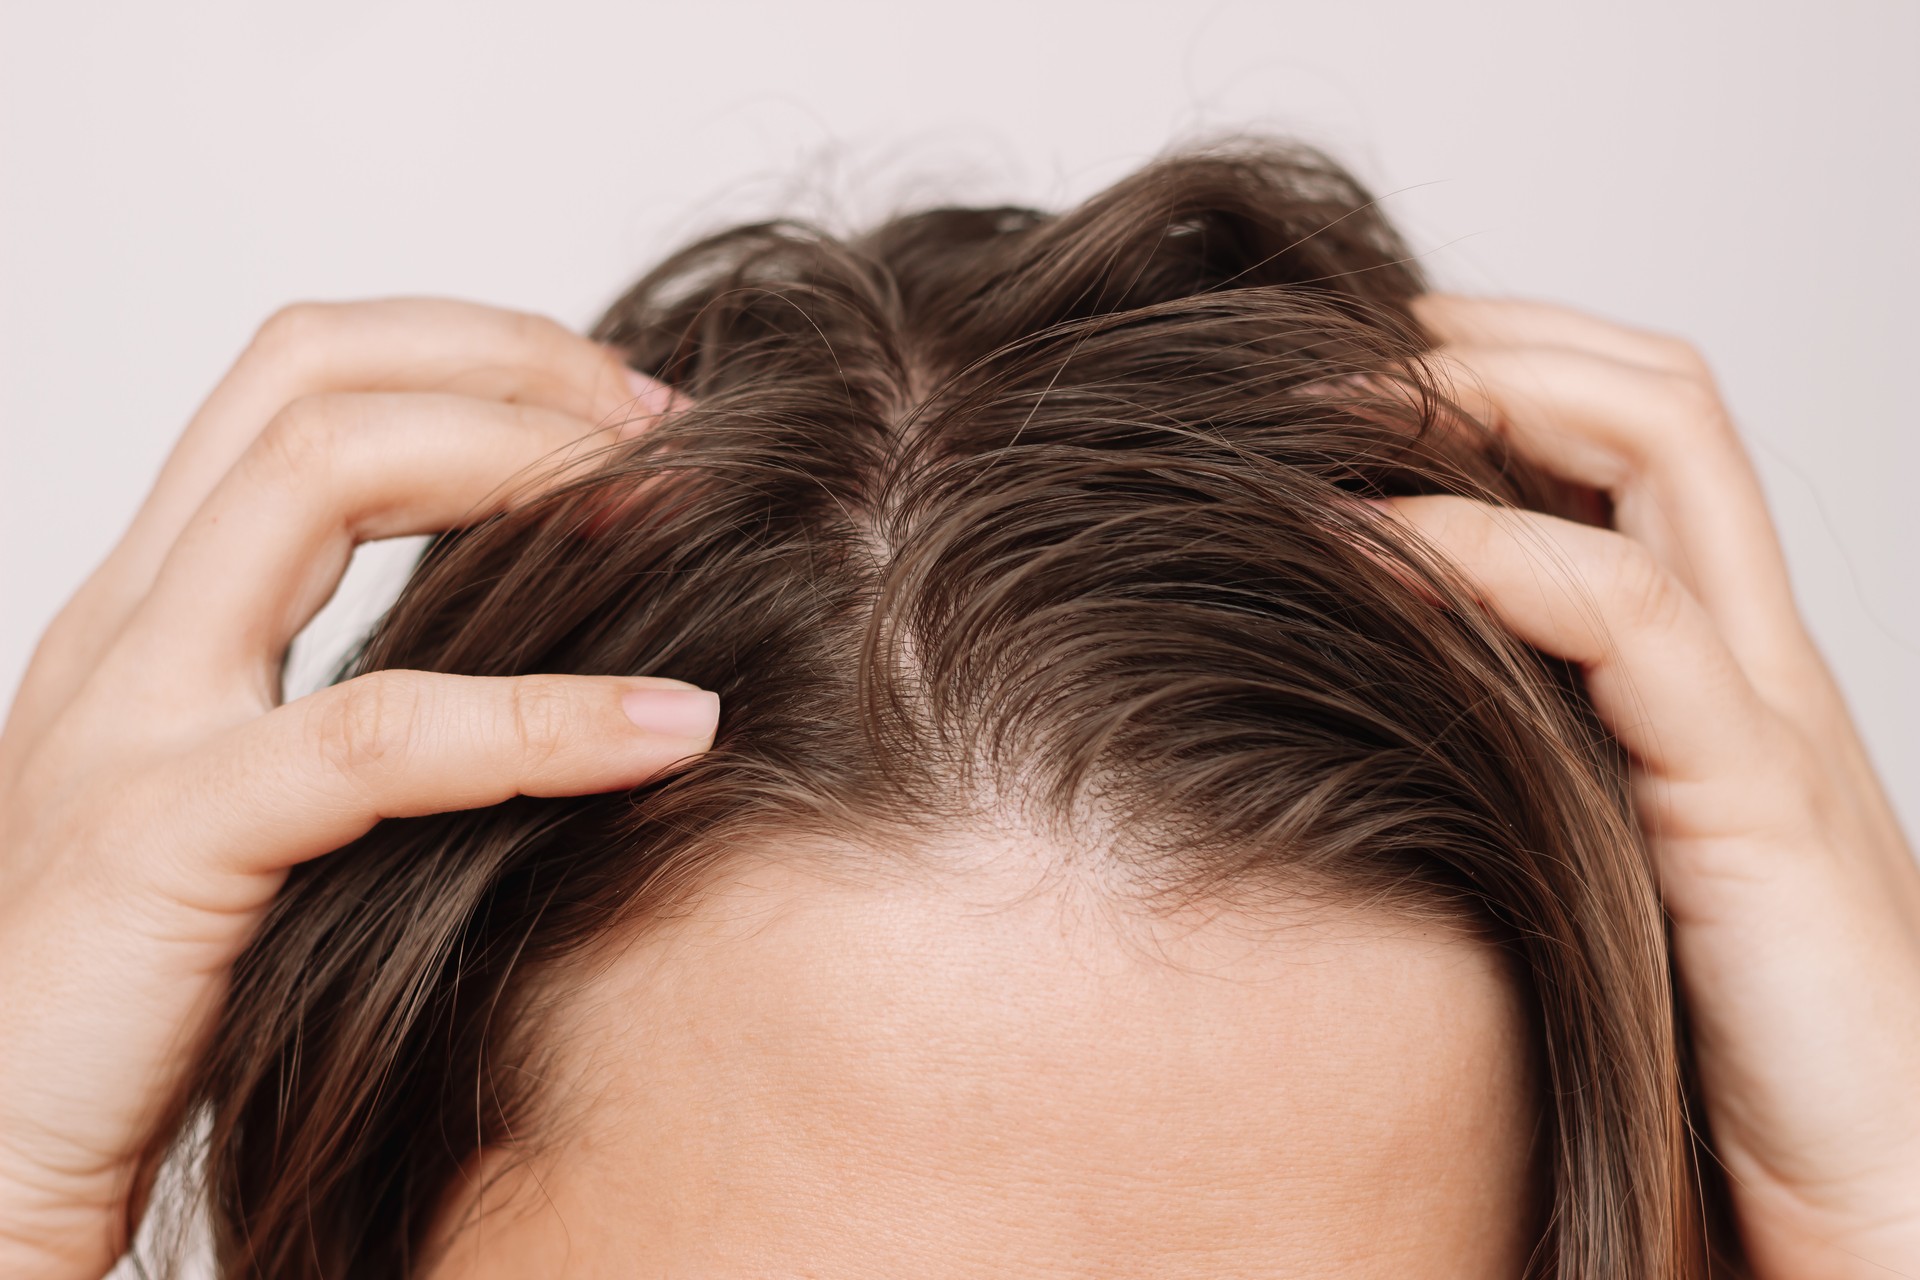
[[1640, 589], [1694, 408], [1697, 399], [1472, 529], [293, 327], [542, 716], [529, 419], [305, 439], [1685, 358], [367, 724], [529, 328]]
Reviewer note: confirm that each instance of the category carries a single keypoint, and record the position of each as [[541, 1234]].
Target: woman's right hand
[[1792, 894], [153, 792]]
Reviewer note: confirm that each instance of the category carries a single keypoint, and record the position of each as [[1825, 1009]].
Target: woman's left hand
[[154, 792], [1794, 898]]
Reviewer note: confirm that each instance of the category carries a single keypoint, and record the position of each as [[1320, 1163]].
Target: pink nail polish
[[674, 713], [652, 400], [653, 395]]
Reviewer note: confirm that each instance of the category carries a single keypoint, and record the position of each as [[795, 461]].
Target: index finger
[[1657, 670], [314, 774]]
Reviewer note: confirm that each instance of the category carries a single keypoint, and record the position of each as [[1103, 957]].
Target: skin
[[153, 793], [1003, 1071], [1793, 894]]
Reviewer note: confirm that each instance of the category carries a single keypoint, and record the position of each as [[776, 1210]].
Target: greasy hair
[[983, 516]]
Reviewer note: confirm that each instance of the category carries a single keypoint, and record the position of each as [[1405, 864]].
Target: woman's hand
[[1794, 898], [152, 792]]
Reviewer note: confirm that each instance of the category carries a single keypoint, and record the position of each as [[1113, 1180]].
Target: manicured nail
[[652, 400], [652, 393], [673, 713]]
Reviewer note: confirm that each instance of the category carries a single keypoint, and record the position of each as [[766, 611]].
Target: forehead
[[1012, 1073]]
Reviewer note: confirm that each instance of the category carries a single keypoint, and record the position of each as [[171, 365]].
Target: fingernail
[[652, 400], [674, 713], [655, 396]]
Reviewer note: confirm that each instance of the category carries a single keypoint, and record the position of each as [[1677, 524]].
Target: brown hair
[[984, 502]]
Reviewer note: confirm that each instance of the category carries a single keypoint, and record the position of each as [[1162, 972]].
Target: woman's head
[[1114, 826]]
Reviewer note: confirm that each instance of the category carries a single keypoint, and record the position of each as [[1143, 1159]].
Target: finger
[[267, 548], [396, 344], [1657, 671], [1455, 319], [316, 773], [1663, 450]]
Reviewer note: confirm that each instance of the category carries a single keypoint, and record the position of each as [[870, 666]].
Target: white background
[[1741, 173]]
